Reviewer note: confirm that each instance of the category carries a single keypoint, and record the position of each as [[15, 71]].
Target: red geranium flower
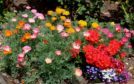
[[97, 56], [93, 36], [113, 47]]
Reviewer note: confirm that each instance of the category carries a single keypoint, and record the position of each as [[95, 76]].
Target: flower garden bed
[[53, 49]]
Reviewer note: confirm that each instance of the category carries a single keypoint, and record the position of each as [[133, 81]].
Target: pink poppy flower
[[128, 35], [36, 30], [28, 7], [34, 11], [31, 20], [26, 49], [132, 32], [126, 30], [58, 52], [33, 36], [60, 28], [118, 27], [20, 57], [105, 31], [40, 16], [64, 34], [129, 46], [24, 15], [27, 27], [7, 48], [124, 40], [78, 72], [77, 29], [110, 35]]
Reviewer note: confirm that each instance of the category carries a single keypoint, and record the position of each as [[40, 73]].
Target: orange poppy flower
[[23, 39], [20, 24], [67, 23], [27, 36], [7, 50], [8, 33]]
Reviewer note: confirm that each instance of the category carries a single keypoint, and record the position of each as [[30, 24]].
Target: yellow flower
[[70, 30], [48, 24], [53, 18], [59, 10], [62, 18], [50, 12], [82, 23], [66, 13], [112, 23], [52, 28], [95, 25]]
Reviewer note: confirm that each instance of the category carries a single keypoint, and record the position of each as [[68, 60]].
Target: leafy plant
[[53, 49], [80, 8]]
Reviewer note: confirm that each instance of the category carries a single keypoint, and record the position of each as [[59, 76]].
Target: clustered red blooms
[[93, 36], [102, 55], [113, 47], [101, 58], [97, 56]]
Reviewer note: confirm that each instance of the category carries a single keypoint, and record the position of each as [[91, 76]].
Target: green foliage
[[80, 8], [129, 16], [35, 67], [41, 62]]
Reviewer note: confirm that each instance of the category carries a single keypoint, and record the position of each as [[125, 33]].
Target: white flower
[[13, 19], [76, 46], [60, 28], [48, 60], [31, 20], [86, 34]]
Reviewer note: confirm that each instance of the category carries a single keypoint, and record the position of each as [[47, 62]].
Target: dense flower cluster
[[107, 75], [105, 56], [97, 56], [93, 36], [39, 47], [113, 47]]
